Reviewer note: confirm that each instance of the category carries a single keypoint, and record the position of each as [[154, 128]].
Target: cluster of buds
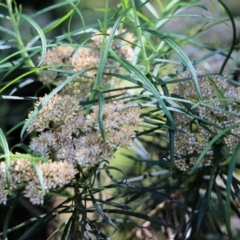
[[76, 138], [23, 174], [87, 59], [217, 111], [69, 139]]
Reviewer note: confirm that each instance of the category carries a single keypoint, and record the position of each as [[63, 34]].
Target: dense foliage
[[111, 130]]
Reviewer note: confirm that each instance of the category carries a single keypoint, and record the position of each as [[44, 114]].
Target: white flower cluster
[[87, 58], [65, 134], [70, 139], [55, 175], [220, 110], [76, 138]]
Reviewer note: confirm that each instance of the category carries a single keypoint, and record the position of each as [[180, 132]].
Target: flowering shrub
[[122, 134]]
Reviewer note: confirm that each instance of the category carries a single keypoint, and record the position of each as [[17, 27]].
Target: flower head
[[215, 115], [55, 175]]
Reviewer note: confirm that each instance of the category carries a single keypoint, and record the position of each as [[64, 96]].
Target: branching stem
[[14, 17]]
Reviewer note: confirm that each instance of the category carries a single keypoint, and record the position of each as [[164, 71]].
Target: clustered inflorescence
[[69, 139], [55, 174], [76, 138], [218, 110], [86, 59]]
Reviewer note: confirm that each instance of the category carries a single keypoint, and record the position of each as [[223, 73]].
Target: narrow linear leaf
[[151, 8], [16, 79], [18, 98], [114, 204], [105, 50], [140, 216], [6, 30], [234, 36], [148, 85], [182, 55], [9, 214], [41, 35], [14, 128], [218, 91], [202, 211], [82, 44], [100, 211], [40, 223], [220, 199], [40, 175], [210, 143], [100, 112], [215, 221], [52, 7], [228, 190], [43, 220], [71, 234], [5, 148], [65, 231], [3, 5], [58, 22]]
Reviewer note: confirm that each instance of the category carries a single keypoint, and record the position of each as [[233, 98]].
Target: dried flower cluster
[[56, 111], [76, 138], [87, 59], [219, 111], [55, 174], [70, 139], [57, 56], [65, 134]]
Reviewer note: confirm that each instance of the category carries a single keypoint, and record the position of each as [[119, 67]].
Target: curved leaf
[[41, 35], [182, 55]]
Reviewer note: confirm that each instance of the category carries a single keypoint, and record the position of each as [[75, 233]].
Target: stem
[[76, 212], [105, 24], [139, 33], [15, 23], [104, 30]]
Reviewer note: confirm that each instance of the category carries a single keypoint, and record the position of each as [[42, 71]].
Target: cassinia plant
[[99, 90]]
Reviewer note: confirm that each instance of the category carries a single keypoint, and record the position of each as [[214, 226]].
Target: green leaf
[[52, 7], [234, 37], [140, 216], [10, 214], [182, 55], [100, 211], [202, 210], [41, 35], [66, 227], [40, 175], [114, 204], [228, 192], [148, 85], [219, 92], [105, 49], [8, 31], [211, 142], [5, 148], [100, 112], [58, 22], [16, 79]]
